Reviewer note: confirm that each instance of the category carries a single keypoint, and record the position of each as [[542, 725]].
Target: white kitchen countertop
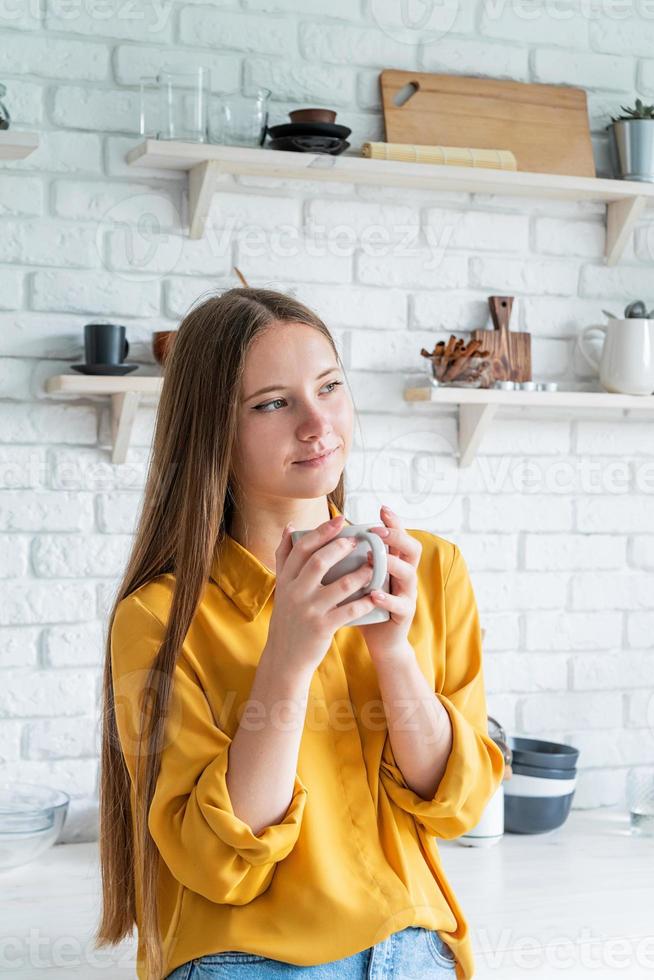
[[575, 903]]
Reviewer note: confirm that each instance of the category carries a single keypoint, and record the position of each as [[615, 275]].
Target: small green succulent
[[640, 111]]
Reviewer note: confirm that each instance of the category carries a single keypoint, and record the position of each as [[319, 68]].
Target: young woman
[[273, 780]]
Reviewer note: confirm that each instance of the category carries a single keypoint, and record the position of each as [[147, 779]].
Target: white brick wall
[[555, 519]]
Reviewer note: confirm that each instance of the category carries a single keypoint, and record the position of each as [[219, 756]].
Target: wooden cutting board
[[545, 126], [510, 352]]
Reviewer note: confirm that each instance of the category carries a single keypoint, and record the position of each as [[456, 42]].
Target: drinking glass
[[640, 800], [181, 108], [239, 120]]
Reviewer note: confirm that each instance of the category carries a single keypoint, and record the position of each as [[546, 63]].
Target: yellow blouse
[[355, 858]]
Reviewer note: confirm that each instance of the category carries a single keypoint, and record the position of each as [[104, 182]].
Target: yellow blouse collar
[[242, 577]]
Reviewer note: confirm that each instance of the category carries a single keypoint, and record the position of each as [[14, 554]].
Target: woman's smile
[[318, 461]]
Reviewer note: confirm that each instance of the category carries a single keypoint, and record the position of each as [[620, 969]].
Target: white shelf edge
[[125, 392], [551, 399], [16, 145], [101, 384], [206, 161], [478, 407]]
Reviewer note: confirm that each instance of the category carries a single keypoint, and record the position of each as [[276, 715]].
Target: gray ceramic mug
[[359, 556]]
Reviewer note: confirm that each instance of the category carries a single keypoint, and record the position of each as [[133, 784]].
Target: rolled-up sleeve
[[203, 843], [475, 765]]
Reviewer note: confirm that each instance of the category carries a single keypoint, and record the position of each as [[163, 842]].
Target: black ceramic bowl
[[309, 129], [309, 144]]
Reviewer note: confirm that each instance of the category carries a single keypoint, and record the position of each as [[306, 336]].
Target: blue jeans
[[413, 953]]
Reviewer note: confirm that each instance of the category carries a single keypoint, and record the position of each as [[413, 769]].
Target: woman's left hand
[[389, 640]]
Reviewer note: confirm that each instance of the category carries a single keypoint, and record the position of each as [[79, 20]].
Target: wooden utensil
[[545, 126], [510, 352], [241, 277]]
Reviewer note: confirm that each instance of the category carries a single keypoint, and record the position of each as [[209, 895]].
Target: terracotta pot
[[312, 115], [162, 342]]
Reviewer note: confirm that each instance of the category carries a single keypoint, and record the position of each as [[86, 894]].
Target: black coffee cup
[[105, 343]]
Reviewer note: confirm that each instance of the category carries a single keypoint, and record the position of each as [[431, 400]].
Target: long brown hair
[[188, 503]]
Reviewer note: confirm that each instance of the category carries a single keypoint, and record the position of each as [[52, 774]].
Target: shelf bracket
[[474, 420], [124, 407], [621, 216], [202, 182]]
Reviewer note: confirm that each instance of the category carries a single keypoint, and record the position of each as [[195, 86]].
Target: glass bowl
[[239, 120], [477, 372], [31, 818]]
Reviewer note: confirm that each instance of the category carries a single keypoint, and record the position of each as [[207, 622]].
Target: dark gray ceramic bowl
[[536, 804], [539, 752], [543, 771]]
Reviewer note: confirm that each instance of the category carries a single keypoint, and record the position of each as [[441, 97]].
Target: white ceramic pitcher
[[626, 365]]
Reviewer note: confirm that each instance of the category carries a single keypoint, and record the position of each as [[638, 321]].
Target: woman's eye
[[330, 384]]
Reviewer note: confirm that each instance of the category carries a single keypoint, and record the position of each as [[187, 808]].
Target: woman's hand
[[306, 613], [388, 640]]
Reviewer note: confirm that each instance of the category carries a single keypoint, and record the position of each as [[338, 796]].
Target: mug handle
[[587, 353], [126, 348], [379, 560]]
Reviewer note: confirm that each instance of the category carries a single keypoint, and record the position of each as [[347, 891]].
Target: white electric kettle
[[626, 364]]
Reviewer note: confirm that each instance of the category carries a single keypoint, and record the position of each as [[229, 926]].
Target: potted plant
[[632, 142]]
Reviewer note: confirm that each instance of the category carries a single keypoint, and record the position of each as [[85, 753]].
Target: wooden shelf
[[205, 162], [478, 406], [126, 393], [15, 145]]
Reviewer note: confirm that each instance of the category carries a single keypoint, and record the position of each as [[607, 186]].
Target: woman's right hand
[[305, 614]]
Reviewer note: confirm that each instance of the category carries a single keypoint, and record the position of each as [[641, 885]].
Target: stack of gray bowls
[[539, 792]]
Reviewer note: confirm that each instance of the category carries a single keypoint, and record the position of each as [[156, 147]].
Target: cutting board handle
[[500, 310]]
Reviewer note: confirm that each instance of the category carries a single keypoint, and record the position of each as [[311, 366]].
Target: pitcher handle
[[581, 340]]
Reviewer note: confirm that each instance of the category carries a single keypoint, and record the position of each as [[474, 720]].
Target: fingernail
[[337, 519]]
